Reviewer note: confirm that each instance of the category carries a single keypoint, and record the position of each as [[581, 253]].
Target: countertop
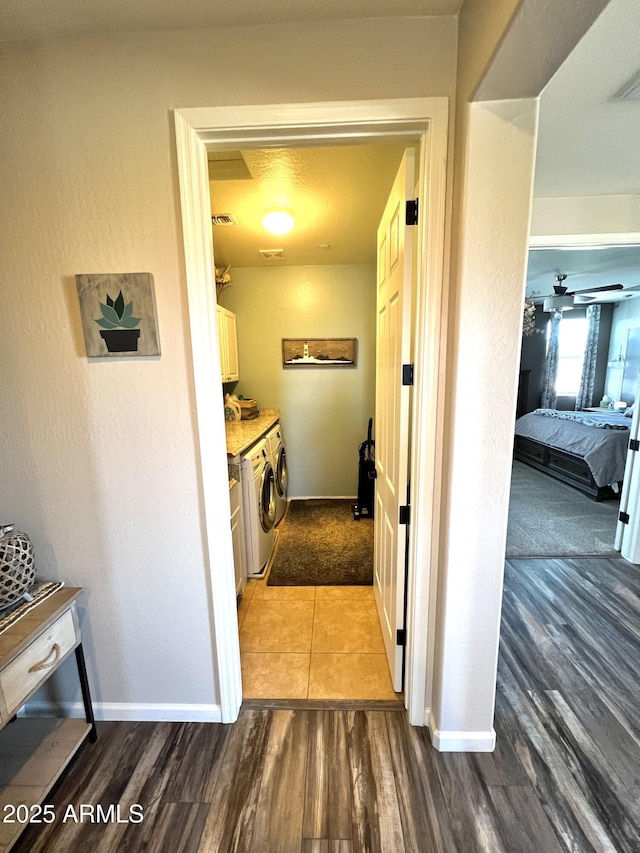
[[242, 434]]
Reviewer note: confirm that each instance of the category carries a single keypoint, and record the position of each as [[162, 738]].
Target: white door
[[392, 411], [628, 531]]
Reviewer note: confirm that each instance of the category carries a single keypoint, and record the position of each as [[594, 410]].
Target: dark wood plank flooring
[[565, 775]]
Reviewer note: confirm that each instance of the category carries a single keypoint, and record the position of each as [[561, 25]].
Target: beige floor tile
[[284, 593], [277, 626], [346, 626], [350, 676], [243, 608], [273, 675], [344, 593], [250, 588]]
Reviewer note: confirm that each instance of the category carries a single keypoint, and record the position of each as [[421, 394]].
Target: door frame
[[321, 123]]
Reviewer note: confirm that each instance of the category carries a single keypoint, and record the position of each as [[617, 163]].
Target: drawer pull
[[47, 664]]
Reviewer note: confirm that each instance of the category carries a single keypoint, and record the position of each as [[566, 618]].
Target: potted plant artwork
[[118, 325]]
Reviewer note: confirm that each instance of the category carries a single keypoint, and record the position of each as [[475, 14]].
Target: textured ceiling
[[34, 19], [589, 141], [337, 196]]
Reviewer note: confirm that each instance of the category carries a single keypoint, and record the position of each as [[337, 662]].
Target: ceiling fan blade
[[590, 290]]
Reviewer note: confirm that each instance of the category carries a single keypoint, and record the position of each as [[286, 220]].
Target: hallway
[[313, 779]]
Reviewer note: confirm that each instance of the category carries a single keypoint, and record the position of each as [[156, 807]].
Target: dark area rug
[[548, 518], [321, 545]]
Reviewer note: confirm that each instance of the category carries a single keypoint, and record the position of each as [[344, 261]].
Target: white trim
[[430, 319], [584, 241], [198, 251], [424, 119], [300, 124], [460, 741], [131, 712]]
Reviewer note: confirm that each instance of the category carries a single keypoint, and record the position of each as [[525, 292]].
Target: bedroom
[[562, 505]]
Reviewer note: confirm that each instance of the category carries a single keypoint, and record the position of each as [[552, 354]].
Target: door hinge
[[401, 637], [405, 515], [634, 444], [412, 212], [407, 374], [624, 517]]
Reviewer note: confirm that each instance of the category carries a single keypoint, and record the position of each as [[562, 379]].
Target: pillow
[[628, 412]]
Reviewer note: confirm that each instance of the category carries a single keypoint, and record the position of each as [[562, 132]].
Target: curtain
[[551, 363], [588, 378]]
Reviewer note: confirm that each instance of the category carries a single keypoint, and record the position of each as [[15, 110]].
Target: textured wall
[[584, 215], [324, 410], [493, 176], [493, 168], [98, 459]]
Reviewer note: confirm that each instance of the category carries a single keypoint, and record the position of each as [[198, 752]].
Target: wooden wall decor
[[319, 352], [118, 313]]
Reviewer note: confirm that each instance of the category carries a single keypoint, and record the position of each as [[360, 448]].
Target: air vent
[[271, 254], [223, 219]]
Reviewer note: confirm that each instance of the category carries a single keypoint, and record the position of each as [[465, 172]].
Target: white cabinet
[[237, 536], [228, 343]]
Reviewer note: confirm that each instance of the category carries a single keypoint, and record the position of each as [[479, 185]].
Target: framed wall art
[[118, 313], [319, 352]]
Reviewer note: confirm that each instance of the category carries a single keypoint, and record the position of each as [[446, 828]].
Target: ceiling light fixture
[[278, 221]]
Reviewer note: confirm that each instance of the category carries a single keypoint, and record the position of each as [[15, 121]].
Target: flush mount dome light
[[278, 221]]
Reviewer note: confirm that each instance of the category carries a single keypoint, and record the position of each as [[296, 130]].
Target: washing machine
[[259, 502], [278, 458]]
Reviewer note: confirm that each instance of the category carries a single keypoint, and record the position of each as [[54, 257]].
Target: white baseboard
[[115, 711], [449, 741], [322, 497]]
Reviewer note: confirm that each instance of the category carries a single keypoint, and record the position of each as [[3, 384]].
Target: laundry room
[[308, 620]]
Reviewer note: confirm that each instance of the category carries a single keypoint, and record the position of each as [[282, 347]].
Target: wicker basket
[[248, 409], [17, 565]]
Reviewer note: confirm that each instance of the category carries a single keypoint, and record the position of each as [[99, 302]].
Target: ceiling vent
[[223, 219], [272, 254], [630, 91]]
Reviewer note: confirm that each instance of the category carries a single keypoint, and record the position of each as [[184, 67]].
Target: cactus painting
[[108, 320], [119, 325]]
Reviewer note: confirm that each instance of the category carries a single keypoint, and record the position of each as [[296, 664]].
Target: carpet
[[548, 518], [321, 545]]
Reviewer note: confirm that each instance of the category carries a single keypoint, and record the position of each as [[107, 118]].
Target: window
[[572, 339]]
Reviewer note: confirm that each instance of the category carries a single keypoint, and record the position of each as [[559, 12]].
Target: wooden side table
[[35, 751]]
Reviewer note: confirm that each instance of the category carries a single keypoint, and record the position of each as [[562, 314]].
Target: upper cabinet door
[[233, 370], [228, 344]]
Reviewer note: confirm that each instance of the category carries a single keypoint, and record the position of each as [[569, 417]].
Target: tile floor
[[311, 642]]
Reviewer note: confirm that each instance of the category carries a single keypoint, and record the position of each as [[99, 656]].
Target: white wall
[[493, 176], [626, 315], [98, 459], [585, 215], [323, 410]]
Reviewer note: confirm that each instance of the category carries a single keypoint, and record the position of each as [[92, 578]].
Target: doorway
[[553, 512], [313, 627], [234, 127]]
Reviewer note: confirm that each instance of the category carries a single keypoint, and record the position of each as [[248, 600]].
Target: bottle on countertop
[[232, 411]]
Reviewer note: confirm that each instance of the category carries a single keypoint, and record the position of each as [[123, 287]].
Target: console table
[[34, 751]]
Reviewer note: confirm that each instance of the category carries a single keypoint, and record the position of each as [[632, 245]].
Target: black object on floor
[[366, 478]]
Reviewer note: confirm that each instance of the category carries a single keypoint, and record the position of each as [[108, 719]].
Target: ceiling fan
[[563, 299]]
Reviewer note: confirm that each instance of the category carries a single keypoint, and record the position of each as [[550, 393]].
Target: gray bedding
[[604, 450]]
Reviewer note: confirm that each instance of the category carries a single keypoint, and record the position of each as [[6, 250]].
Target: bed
[[588, 450]]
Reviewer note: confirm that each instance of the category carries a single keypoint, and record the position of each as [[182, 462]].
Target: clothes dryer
[[259, 501], [278, 457]]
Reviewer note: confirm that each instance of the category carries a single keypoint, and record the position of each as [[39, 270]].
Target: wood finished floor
[[565, 775]]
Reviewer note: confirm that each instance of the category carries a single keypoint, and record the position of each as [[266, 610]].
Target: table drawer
[[34, 665]]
